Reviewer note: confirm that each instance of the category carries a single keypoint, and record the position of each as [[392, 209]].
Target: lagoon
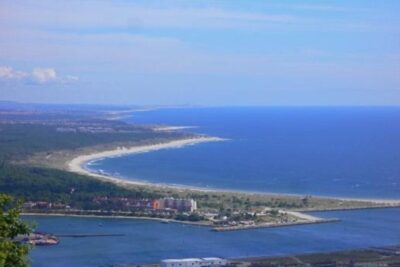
[[150, 241]]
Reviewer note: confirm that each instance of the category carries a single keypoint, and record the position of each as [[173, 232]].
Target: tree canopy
[[12, 253]]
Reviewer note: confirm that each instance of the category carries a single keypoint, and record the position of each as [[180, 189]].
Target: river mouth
[[146, 241]]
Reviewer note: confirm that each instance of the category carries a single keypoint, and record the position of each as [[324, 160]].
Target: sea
[[323, 151], [346, 151]]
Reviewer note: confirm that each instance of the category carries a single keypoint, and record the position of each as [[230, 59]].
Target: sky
[[200, 52]]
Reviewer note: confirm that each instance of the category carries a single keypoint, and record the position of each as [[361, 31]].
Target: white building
[[191, 262], [194, 262], [213, 261], [180, 204]]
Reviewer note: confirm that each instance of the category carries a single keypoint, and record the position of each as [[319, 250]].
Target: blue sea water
[[150, 241], [352, 152], [330, 151]]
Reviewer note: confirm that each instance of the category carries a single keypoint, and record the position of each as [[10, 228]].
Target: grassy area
[[365, 257], [19, 141]]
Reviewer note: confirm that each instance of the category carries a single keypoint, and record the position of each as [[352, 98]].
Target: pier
[[272, 225]]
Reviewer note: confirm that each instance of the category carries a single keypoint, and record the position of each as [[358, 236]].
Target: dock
[[272, 225]]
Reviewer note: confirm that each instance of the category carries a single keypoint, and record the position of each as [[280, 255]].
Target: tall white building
[[180, 204]]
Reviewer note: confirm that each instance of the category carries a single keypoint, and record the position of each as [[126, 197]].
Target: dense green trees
[[194, 217], [21, 140], [18, 141], [12, 253], [33, 183]]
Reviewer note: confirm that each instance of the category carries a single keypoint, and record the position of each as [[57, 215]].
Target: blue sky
[[201, 52]]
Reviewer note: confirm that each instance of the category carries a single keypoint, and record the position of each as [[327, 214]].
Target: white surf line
[[77, 164]]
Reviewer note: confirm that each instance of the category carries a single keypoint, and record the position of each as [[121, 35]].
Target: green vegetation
[[226, 202], [57, 186], [366, 257], [12, 253], [194, 217], [18, 141]]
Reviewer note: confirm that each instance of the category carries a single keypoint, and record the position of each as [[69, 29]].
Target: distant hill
[[12, 105]]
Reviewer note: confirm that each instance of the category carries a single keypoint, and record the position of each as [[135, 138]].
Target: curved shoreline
[[77, 165], [163, 220]]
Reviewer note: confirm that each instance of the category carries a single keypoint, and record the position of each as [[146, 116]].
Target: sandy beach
[[77, 164], [173, 128]]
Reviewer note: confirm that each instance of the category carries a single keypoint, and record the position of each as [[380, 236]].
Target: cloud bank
[[37, 75]]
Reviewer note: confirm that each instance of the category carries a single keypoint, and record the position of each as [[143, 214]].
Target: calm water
[[353, 152], [150, 241], [323, 151]]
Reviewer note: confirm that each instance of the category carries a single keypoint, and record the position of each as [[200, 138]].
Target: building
[[213, 261], [156, 204], [134, 203], [194, 262], [179, 204]]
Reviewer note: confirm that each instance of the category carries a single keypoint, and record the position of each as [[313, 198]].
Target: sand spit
[[77, 164]]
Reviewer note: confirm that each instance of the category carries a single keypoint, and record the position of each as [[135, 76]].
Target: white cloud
[[8, 73], [43, 75], [37, 75]]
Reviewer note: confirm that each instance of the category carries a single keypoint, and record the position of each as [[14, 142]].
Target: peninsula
[[50, 176], [77, 164]]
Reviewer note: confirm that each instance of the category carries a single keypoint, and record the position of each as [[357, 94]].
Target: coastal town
[[171, 209], [180, 205]]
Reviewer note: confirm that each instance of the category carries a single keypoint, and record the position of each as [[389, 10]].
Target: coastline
[[323, 203], [162, 220], [304, 221], [77, 165]]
